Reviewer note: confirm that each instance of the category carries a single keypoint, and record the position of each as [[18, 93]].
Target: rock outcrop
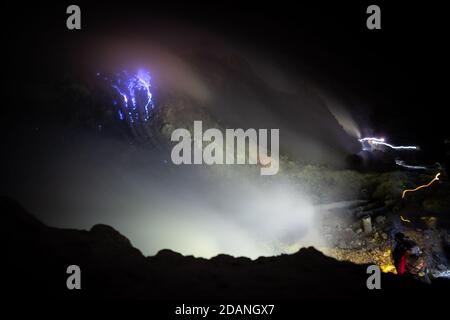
[[37, 257]]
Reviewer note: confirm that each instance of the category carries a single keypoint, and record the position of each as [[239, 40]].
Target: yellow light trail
[[405, 220], [422, 186]]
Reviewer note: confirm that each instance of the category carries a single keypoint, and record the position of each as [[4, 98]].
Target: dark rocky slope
[[37, 257]]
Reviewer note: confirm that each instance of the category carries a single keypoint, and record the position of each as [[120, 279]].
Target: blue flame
[[134, 101]]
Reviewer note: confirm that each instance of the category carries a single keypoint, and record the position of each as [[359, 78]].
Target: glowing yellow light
[[405, 220], [420, 187], [388, 268]]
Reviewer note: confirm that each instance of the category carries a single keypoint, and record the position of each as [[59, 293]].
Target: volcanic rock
[[112, 268]]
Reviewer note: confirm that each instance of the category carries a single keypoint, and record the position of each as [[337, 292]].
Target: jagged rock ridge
[[37, 257]]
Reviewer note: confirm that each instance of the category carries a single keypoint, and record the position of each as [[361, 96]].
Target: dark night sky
[[395, 70], [395, 76]]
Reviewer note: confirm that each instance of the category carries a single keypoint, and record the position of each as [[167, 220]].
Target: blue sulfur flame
[[134, 101]]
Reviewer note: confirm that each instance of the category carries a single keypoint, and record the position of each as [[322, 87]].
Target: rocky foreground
[[37, 257]]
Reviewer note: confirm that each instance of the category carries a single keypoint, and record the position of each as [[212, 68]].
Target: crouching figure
[[409, 259]]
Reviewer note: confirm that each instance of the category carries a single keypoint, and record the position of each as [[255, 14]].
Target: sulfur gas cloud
[[81, 177]]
